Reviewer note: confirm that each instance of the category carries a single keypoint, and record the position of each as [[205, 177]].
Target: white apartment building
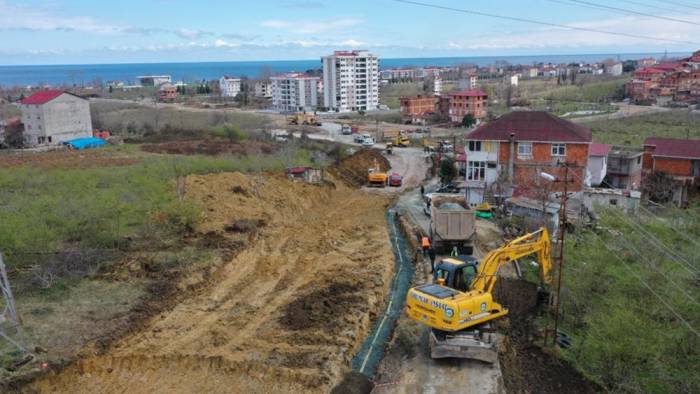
[[153, 80], [51, 117], [351, 81], [263, 89], [230, 87], [294, 92]]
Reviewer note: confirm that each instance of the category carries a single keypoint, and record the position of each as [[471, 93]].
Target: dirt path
[[285, 315]]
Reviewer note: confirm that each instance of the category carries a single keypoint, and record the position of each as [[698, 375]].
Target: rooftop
[[671, 147], [469, 93], [531, 126], [596, 149], [42, 97]]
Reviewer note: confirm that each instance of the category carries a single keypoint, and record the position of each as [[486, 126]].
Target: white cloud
[[544, 38], [311, 27], [191, 34]]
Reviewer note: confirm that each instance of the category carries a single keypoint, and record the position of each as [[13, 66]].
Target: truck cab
[[456, 273]]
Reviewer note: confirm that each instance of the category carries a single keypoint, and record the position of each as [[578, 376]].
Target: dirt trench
[[285, 315]]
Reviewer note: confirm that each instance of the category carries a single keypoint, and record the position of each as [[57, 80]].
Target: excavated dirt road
[[285, 315]]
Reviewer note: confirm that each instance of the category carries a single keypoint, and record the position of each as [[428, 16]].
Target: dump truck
[[401, 141], [452, 224], [302, 118]]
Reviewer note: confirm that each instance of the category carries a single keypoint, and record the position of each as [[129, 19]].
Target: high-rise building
[[294, 92], [351, 81]]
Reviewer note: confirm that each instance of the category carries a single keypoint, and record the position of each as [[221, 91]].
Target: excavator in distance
[[459, 305]]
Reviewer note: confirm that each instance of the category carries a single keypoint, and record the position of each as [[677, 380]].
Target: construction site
[[321, 262]]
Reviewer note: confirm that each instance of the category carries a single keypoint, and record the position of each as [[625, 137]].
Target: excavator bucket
[[466, 345]]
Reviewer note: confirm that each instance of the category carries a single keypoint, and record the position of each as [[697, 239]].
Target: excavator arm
[[537, 242]]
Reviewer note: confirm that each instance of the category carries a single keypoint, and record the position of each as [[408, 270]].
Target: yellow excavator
[[459, 305], [377, 177]]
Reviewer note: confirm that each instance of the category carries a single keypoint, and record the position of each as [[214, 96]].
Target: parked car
[[358, 138], [345, 129], [395, 180], [368, 141]]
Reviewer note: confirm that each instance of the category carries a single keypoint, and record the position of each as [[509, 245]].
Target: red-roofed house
[[597, 166], [518, 146], [468, 102], [677, 158], [51, 117]]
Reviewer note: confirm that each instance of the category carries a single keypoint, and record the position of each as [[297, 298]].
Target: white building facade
[[230, 87], [294, 92], [51, 117], [351, 81], [263, 89]]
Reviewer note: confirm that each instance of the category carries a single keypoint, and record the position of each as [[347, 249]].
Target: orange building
[[678, 158], [468, 102], [167, 92], [415, 109], [520, 145]]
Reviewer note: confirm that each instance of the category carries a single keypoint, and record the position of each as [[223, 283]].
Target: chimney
[[511, 157]]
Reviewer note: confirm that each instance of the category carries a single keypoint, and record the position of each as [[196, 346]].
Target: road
[[422, 374], [624, 111]]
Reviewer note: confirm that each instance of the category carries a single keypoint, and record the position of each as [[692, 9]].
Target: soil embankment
[[286, 314]]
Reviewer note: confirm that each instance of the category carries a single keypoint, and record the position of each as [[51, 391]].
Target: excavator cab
[[456, 273]]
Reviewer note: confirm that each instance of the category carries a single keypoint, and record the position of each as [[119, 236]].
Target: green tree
[[233, 133], [468, 120], [448, 171], [14, 135]]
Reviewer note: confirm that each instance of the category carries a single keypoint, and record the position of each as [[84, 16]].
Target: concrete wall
[[64, 118], [597, 168]]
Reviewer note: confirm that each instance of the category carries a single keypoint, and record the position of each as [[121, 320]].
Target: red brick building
[[519, 146], [677, 158], [472, 102], [416, 109]]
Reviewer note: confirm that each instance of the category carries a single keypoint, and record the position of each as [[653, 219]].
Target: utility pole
[[560, 245]]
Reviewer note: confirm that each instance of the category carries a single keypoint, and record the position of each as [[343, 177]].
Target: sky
[[131, 31]]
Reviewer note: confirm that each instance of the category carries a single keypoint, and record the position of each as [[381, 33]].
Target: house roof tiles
[[531, 126]]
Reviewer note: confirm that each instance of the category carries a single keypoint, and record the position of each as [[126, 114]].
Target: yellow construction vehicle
[[459, 305], [377, 177], [401, 141], [302, 118]]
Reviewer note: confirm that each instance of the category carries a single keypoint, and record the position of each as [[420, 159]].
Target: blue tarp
[[85, 143]]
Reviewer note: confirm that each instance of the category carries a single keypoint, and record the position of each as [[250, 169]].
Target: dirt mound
[[232, 336], [526, 367], [210, 147], [68, 159], [353, 170], [313, 310], [354, 383]]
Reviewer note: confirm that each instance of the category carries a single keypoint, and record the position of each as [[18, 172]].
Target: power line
[[645, 284], [628, 11], [679, 4], [650, 6], [680, 233], [537, 22]]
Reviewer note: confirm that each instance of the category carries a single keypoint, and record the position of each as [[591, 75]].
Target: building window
[[476, 170], [558, 149], [524, 149], [474, 146]]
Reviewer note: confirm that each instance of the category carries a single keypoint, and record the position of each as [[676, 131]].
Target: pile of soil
[[318, 252], [66, 159], [354, 383], [214, 146], [353, 170], [526, 367], [315, 310]]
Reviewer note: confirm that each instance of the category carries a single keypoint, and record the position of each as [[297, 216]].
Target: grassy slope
[[634, 129], [624, 337], [389, 95]]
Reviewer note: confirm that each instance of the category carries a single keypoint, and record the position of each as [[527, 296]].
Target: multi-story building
[[415, 109], [351, 81], [153, 80], [263, 89], [167, 92], [51, 117], [624, 168], [472, 102], [294, 92], [511, 152], [597, 167], [677, 158], [229, 87]]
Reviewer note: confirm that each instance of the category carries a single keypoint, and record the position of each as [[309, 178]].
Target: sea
[[79, 74]]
